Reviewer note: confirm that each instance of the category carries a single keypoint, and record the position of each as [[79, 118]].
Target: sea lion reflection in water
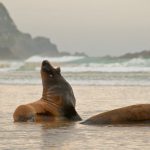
[[57, 102]]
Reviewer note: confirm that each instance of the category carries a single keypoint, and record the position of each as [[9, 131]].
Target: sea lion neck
[[49, 93], [45, 95]]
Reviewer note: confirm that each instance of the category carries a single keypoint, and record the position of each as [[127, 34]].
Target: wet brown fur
[[55, 102], [131, 114], [36, 111]]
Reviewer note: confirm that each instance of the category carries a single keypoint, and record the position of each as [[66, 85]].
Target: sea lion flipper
[[24, 113], [71, 114]]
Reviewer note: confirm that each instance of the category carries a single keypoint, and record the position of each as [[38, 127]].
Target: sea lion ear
[[58, 70]]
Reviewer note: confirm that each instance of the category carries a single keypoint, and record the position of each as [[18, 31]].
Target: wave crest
[[37, 59]]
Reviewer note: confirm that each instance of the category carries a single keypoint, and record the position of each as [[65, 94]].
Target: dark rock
[[80, 54], [40, 41], [6, 53], [21, 45], [142, 54]]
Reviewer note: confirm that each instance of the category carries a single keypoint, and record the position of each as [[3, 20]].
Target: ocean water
[[99, 85], [79, 70]]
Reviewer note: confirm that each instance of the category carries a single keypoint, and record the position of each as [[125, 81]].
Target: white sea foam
[[96, 72], [105, 69], [10, 66], [133, 65], [137, 62], [36, 59], [72, 64]]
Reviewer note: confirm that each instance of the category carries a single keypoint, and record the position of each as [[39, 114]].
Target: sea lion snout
[[46, 66], [45, 62]]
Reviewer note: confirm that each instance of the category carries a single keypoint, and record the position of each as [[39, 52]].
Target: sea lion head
[[57, 91], [50, 75]]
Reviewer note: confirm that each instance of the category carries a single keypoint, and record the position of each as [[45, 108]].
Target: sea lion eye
[[50, 75]]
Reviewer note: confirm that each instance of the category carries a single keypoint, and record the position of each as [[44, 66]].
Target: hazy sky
[[97, 27]]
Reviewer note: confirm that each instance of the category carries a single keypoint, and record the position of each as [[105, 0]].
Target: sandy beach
[[90, 101]]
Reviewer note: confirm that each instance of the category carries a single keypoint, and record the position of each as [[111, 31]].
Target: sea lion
[[126, 115], [57, 102]]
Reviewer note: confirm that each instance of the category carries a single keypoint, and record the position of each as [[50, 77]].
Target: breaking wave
[[79, 64], [10, 66], [53, 59], [79, 70]]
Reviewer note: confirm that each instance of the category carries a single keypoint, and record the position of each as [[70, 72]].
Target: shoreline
[[75, 85]]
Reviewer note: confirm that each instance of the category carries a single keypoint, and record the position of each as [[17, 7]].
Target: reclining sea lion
[[126, 115], [57, 102]]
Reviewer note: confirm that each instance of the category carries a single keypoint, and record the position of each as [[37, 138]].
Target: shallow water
[[62, 135], [79, 78]]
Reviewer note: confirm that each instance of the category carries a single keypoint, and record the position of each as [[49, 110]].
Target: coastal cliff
[[15, 44]]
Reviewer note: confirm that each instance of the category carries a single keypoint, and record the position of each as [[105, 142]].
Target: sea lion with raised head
[[133, 114], [57, 102]]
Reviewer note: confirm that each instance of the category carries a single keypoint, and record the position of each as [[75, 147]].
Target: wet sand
[[90, 101]]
